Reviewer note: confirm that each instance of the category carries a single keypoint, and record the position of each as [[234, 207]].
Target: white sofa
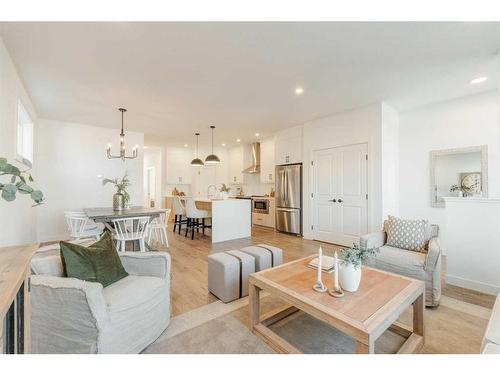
[[74, 316], [491, 339], [425, 266]]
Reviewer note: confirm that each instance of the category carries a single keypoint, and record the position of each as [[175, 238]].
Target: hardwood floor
[[189, 261], [189, 266]]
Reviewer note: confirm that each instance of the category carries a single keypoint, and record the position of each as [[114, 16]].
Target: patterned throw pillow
[[406, 234]]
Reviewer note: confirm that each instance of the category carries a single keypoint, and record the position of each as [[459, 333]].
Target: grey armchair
[[425, 266], [74, 316]]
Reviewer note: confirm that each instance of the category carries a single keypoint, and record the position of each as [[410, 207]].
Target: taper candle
[[319, 287], [336, 272], [320, 264]]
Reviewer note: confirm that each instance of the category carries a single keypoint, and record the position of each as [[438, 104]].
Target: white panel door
[[351, 194], [324, 224], [340, 194]]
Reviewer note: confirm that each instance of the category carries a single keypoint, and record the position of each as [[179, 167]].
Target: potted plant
[[121, 198], [17, 183], [224, 191], [350, 266], [458, 189]]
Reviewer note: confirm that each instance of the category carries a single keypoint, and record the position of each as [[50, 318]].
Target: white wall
[[469, 121], [153, 158], [70, 159], [17, 218], [390, 161], [362, 125], [473, 243]]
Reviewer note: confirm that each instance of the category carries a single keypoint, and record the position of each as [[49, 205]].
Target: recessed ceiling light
[[257, 134], [238, 140], [478, 80], [299, 91], [223, 145], [146, 147], [185, 144]]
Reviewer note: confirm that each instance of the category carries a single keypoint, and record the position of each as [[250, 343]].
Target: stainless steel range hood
[[255, 167]]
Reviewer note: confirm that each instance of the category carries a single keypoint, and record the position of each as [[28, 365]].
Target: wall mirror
[[459, 172]]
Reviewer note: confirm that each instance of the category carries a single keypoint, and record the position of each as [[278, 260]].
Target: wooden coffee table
[[364, 315]]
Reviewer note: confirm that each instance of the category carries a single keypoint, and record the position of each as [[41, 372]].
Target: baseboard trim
[[56, 237], [473, 284]]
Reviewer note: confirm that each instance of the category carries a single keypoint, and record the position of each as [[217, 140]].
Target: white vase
[[349, 277], [224, 194]]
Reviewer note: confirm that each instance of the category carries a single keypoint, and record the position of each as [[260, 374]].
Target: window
[[24, 135]]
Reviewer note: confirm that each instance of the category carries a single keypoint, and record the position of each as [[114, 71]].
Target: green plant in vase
[[350, 265], [121, 198], [224, 190], [18, 183]]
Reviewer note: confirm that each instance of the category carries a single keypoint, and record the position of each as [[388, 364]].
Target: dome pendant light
[[197, 162], [212, 158]]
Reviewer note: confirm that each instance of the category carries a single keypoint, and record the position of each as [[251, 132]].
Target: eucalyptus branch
[[17, 183], [356, 255]]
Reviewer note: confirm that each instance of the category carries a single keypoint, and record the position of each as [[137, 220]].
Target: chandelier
[[122, 145]]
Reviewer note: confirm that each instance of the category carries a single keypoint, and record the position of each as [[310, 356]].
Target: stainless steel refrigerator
[[288, 198]]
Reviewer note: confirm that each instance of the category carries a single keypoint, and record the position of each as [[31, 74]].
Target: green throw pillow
[[98, 262]]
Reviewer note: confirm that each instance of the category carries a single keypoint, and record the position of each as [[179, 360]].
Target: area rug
[[218, 328]]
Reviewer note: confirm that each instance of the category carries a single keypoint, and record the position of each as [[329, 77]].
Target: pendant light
[[212, 158], [122, 145], [197, 162]]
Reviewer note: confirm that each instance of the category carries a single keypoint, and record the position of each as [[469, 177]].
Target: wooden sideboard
[[15, 270]]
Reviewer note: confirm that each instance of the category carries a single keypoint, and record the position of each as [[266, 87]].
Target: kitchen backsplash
[[253, 186]]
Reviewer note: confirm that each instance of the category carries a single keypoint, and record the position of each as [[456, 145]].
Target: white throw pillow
[[406, 234]]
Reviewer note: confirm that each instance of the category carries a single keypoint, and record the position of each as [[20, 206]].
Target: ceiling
[[179, 78]]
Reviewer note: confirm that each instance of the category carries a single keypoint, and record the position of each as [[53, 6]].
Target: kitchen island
[[231, 218]]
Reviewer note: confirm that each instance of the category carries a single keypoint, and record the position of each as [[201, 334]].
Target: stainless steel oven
[[260, 206]]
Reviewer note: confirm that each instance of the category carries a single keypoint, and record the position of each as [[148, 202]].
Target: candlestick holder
[[319, 287], [337, 293]]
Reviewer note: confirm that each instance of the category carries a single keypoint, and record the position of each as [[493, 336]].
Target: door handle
[[340, 200], [333, 200], [285, 178]]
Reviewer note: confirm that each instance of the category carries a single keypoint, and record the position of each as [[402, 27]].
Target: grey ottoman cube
[[266, 256], [228, 274]]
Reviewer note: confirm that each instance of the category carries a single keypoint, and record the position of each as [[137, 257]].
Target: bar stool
[[131, 229], [179, 212], [158, 228], [193, 218]]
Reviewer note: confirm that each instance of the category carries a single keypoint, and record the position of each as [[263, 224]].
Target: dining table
[[106, 215]]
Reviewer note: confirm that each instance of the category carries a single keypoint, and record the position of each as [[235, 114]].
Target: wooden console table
[[15, 270]]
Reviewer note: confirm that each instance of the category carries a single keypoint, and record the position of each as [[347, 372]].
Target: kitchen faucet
[[208, 190]]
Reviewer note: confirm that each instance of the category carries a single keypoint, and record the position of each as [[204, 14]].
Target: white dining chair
[[194, 214], [131, 229], [158, 228], [79, 226]]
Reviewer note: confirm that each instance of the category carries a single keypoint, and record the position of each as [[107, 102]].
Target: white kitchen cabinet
[[267, 164], [265, 220], [236, 165], [288, 146], [203, 178], [179, 169]]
